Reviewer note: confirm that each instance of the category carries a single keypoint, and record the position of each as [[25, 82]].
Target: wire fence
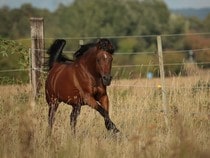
[[137, 53], [126, 36], [114, 66]]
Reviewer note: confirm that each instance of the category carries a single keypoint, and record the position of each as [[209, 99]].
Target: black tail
[[55, 52]]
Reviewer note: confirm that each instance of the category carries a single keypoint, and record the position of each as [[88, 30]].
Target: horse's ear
[[112, 50], [105, 44]]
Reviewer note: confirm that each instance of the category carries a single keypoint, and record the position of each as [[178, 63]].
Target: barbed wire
[[186, 50], [138, 53], [158, 86], [19, 70], [122, 36], [13, 70], [167, 64], [114, 66]]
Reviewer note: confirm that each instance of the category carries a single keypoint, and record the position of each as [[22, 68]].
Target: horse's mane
[[102, 44], [83, 49]]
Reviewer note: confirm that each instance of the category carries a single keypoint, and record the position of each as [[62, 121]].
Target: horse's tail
[[55, 52]]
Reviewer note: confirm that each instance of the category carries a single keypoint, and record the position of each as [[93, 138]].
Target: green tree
[[113, 18], [5, 22], [15, 22], [206, 23]]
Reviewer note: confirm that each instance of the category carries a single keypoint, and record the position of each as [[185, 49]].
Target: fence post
[[37, 54], [162, 75]]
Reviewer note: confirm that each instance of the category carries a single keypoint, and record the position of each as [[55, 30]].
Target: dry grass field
[[136, 109]]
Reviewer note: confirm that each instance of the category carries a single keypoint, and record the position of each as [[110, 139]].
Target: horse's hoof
[[116, 131]]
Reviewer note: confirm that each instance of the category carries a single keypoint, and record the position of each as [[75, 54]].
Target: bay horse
[[82, 81]]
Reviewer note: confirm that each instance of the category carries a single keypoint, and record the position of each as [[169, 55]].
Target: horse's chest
[[98, 91]]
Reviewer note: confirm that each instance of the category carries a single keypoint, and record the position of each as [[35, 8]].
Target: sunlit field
[[136, 109]]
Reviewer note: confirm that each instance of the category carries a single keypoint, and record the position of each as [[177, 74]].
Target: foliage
[[13, 55], [91, 18], [15, 22]]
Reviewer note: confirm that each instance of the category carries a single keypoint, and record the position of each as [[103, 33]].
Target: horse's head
[[103, 65], [104, 60]]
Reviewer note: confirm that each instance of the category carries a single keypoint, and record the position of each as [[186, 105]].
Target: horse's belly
[[70, 97]]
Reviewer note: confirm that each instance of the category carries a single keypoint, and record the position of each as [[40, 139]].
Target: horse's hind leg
[[53, 106], [73, 117]]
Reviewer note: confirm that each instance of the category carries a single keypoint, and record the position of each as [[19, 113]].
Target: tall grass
[[136, 110]]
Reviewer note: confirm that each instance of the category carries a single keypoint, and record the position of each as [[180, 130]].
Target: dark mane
[[83, 49], [103, 44]]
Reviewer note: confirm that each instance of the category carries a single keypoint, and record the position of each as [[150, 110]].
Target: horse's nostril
[[108, 77]]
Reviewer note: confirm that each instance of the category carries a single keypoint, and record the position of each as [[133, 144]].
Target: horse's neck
[[88, 64]]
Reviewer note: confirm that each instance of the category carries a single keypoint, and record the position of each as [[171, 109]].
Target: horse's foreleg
[[104, 112], [73, 117], [104, 101], [108, 122]]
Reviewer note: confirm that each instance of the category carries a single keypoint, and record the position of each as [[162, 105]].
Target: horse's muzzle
[[106, 79]]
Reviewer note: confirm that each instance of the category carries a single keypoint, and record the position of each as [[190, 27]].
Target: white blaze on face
[[105, 56]]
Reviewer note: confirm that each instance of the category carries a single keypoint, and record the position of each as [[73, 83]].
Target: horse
[[81, 81]]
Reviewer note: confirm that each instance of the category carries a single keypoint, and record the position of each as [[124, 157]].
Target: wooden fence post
[[37, 53], [162, 75]]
